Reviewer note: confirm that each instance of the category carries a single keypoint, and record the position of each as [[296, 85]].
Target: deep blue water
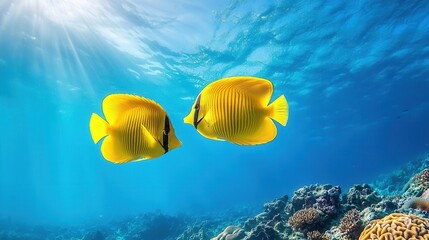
[[355, 74]]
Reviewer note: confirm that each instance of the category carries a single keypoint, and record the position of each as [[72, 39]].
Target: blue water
[[355, 74]]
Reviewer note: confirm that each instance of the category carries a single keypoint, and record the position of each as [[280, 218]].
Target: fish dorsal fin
[[259, 88], [116, 104]]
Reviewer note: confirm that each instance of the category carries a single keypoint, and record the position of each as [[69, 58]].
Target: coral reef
[[350, 224], [151, 226], [304, 219], [230, 233], [314, 235], [385, 206], [313, 212], [362, 196], [397, 226], [417, 185], [325, 198], [396, 182], [276, 207]]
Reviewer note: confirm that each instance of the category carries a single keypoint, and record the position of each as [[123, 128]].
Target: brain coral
[[397, 226]]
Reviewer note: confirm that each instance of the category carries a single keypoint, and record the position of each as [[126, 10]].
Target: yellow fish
[[137, 129], [236, 109]]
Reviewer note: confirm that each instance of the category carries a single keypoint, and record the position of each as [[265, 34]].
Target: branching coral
[[417, 185], [304, 218], [397, 226], [314, 235], [422, 177], [350, 223]]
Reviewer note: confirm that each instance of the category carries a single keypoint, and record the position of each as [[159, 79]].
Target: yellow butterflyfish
[[135, 129], [236, 109]]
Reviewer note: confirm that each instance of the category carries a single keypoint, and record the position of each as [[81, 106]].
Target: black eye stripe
[[165, 133], [197, 110], [167, 125]]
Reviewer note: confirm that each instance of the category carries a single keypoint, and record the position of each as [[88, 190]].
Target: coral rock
[[263, 232], [326, 198], [417, 185], [381, 209], [425, 194], [276, 207], [397, 226], [362, 196], [230, 233]]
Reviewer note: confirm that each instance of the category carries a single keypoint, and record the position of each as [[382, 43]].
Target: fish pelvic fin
[[279, 110], [98, 127]]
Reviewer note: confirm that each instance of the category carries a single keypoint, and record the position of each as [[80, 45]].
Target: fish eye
[[197, 107]]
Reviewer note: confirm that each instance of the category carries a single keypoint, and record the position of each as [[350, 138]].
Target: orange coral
[[397, 226]]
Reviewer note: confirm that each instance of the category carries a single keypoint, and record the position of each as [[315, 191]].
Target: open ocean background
[[355, 74]]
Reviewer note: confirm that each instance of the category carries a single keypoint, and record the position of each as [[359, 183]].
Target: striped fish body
[[135, 129], [232, 114], [236, 109], [132, 130]]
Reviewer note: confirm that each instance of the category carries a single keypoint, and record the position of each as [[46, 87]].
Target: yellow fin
[[113, 151], [259, 88], [116, 104], [98, 127], [154, 147], [279, 110], [266, 132], [148, 137]]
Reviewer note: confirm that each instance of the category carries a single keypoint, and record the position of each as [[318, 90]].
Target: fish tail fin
[[98, 127], [279, 110]]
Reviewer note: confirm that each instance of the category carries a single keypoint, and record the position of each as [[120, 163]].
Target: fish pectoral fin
[[113, 150], [266, 132], [155, 148], [147, 136]]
